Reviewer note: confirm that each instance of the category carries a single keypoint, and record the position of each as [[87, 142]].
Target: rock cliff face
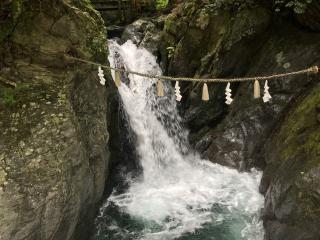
[[207, 41], [53, 123], [292, 177], [245, 39]]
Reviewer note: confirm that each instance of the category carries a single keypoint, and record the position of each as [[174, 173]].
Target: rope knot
[[314, 69]]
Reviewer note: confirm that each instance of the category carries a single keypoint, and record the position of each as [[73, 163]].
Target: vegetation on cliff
[[293, 172]]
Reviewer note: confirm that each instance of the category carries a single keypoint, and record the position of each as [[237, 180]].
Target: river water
[[179, 195]]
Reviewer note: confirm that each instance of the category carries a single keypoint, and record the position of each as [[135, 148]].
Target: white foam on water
[[178, 190]]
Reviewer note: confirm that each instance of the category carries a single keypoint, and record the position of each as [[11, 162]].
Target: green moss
[[168, 24], [160, 4], [8, 96], [96, 30], [190, 8], [97, 44], [16, 9], [301, 130], [11, 96], [88, 4], [297, 144]]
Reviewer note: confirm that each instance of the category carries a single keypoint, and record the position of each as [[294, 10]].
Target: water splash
[[180, 195]]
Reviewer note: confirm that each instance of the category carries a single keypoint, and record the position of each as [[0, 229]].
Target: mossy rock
[[292, 197], [302, 123], [53, 123]]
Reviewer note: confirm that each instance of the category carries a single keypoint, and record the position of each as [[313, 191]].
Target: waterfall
[[179, 195]]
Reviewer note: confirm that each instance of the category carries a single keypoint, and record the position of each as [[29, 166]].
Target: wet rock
[[115, 31], [292, 177], [135, 31], [145, 33]]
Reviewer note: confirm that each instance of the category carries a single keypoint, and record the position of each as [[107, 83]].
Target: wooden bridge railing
[[122, 10]]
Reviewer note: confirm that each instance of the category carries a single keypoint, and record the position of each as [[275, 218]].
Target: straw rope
[[310, 70]]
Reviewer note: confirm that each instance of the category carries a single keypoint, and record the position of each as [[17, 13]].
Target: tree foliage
[[162, 4], [299, 6]]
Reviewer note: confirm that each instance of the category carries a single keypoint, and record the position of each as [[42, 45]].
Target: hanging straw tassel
[[178, 93], [266, 96], [205, 92], [229, 100], [117, 79], [101, 76], [160, 89], [314, 69], [257, 92]]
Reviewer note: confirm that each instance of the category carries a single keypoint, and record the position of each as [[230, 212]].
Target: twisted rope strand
[[313, 70]]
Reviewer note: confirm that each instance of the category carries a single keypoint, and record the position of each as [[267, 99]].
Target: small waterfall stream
[[179, 195]]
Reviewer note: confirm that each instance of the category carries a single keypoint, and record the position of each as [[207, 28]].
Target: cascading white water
[[179, 193]]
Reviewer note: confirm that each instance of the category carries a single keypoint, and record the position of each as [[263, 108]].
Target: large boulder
[[291, 180], [53, 123], [145, 32]]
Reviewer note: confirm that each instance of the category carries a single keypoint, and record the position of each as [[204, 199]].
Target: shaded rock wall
[[53, 124], [292, 177], [235, 42], [206, 40]]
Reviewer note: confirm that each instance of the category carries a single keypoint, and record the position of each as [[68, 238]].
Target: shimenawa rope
[[309, 70], [205, 92]]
